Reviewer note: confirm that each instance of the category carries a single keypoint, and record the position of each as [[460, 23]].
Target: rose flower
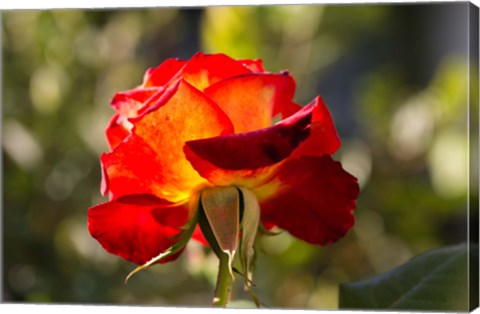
[[195, 125]]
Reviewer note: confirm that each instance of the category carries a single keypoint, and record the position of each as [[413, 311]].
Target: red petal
[[204, 70], [251, 100], [151, 160], [132, 168], [115, 132], [198, 236], [324, 138], [253, 149], [104, 183], [287, 109], [162, 74], [137, 227], [254, 65], [129, 102], [311, 197]]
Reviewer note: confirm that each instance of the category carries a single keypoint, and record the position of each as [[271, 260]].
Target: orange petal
[[251, 100], [137, 227], [313, 198], [204, 70], [324, 138], [129, 104], [151, 160]]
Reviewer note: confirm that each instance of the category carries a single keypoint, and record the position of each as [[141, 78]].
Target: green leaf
[[436, 280], [221, 206], [184, 237]]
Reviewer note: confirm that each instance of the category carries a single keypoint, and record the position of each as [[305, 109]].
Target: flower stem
[[224, 283]]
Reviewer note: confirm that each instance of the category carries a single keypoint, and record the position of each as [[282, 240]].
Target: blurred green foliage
[[400, 112]]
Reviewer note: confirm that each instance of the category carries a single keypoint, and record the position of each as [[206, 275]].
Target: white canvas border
[[93, 4]]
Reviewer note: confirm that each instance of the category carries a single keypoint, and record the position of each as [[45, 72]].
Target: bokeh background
[[395, 80]]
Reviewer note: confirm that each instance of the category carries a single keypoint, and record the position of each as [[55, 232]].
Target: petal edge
[[313, 198], [136, 227]]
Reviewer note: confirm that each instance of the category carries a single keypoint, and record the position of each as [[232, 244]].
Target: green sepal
[[184, 236], [221, 206], [250, 223], [254, 297], [207, 232], [238, 272]]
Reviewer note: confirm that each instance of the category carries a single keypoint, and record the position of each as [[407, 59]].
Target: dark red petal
[[137, 227], [162, 74], [115, 132], [251, 100], [324, 138], [254, 65], [253, 149], [151, 160], [203, 70], [313, 198]]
